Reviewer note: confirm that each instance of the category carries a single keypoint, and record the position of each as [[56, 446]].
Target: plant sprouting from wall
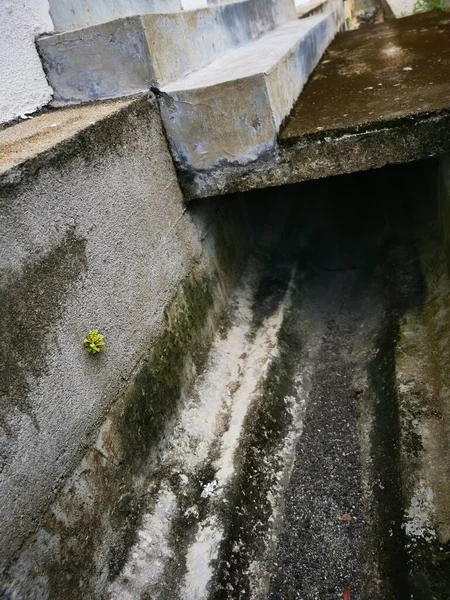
[[94, 342]]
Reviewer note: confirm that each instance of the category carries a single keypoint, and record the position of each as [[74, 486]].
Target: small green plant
[[94, 341], [425, 5]]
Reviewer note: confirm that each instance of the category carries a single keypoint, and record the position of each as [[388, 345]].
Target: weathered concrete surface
[[379, 96], [94, 234], [130, 55], [26, 144], [307, 8], [23, 86], [365, 12], [367, 504], [311, 450], [231, 110], [77, 14]]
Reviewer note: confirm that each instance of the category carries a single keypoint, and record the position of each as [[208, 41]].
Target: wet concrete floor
[[375, 75]]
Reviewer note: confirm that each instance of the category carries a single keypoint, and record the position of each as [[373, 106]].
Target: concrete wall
[[23, 85], [95, 234]]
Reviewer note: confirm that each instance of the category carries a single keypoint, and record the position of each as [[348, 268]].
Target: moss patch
[[156, 391]]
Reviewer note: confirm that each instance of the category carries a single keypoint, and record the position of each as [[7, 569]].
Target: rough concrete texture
[[130, 55], [311, 451], [77, 14], [230, 111], [379, 96], [367, 502], [23, 86], [94, 234]]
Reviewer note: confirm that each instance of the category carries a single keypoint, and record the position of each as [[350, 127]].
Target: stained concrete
[[374, 76], [94, 234], [379, 96], [311, 450], [132, 54], [231, 110], [34, 139]]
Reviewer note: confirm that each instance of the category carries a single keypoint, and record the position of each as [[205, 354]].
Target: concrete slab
[[231, 110], [44, 133], [380, 95], [76, 14], [130, 55], [370, 76]]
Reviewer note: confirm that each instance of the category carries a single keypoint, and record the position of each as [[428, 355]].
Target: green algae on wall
[[421, 359], [85, 537]]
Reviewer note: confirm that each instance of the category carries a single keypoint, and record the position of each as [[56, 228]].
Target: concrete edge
[[182, 140], [80, 141], [327, 154]]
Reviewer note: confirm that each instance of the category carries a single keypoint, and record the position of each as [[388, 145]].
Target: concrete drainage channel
[[310, 457]]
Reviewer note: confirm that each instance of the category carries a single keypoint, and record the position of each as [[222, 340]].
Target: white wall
[[402, 8], [23, 86], [191, 4]]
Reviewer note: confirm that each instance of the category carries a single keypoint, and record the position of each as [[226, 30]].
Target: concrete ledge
[[231, 110], [328, 154], [130, 55], [31, 142], [372, 101]]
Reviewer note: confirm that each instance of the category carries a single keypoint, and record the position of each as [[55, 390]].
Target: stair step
[[77, 14], [129, 55], [233, 108]]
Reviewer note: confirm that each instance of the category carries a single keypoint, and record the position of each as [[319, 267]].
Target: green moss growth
[[183, 343], [426, 5]]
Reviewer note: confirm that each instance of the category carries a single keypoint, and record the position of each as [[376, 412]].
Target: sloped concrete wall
[[95, 234], [23, 85]]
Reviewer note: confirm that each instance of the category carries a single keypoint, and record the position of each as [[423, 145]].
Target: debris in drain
[[346, 518]]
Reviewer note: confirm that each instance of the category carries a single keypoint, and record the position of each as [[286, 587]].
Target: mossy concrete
[[97, 236], [92, 523], [409, 376]]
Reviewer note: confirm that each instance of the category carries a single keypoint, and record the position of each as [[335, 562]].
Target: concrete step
[[77, 14], [129, 55], [308, 8], [231, 110]]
